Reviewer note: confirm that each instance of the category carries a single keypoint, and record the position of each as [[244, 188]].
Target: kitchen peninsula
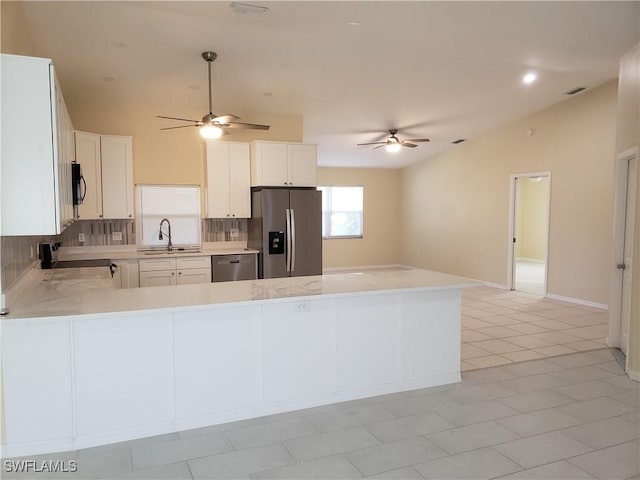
[[115, 365]]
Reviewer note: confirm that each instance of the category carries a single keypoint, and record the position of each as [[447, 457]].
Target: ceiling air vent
[[576, 90], [460, 140]]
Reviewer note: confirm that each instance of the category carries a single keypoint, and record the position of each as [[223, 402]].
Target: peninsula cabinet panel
[[36, 363], [427, 355], [123, 372], [217, 360], [299, 339], [368, 341]]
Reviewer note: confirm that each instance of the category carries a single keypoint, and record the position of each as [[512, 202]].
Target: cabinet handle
[[233, 215], [173, 273], [285, 183], [100, 215], [130, 215], [179, 273]]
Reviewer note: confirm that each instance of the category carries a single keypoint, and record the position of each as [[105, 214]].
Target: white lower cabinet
[[36, 361], [123, 372], [159, 272], [217, 360]]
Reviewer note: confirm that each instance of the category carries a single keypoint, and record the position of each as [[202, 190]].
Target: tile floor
[[566, 417], [501, 327]]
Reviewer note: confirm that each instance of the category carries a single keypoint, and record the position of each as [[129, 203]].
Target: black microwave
[[78, 184]]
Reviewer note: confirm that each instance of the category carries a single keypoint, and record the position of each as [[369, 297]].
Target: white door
[[627, 260], [531, 197]]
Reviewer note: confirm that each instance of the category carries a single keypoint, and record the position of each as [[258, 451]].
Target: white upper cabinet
[[228, 180], [36, 175], [88, 156], [275, 164], [117, 176], [107, 167]]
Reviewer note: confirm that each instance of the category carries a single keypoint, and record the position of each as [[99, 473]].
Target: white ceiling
[[444, 70]]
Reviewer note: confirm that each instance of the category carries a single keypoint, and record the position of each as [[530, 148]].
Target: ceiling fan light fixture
[[211, 131], [393, 147]]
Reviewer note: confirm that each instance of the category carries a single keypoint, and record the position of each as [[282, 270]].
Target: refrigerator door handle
[[288, 233], [293, 240]]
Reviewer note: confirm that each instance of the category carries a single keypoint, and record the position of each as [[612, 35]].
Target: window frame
[[326, 214]]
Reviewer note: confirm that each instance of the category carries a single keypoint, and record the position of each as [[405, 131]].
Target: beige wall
[[456, 205], [14, 36], [531, 220], [381, 243], [169, 156]]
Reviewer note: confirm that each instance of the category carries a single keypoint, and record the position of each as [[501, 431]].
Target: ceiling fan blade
[[407, 144], [225, 118], [379, 146], [254, 126], [371, 143], [175, 118], [181, 126], [417, 140]]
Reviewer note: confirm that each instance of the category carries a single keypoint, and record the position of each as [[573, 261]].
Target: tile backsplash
[[18, 254]]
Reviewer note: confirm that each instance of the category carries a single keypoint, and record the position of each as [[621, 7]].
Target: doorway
[[624, 235], [529, 232]]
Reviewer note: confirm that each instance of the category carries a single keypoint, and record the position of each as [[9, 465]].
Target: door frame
[[512, 227], [619, 228]]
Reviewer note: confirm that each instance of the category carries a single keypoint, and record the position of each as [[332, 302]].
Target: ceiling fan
[[394, 144], [212, 126]]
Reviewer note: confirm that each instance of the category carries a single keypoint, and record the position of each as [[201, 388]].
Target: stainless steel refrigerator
[[286, 229]]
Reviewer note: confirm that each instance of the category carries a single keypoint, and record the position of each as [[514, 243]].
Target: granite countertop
[[130, 252], [56, 293]]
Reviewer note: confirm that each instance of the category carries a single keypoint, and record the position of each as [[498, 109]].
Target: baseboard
[[578, 301], [365, 267]]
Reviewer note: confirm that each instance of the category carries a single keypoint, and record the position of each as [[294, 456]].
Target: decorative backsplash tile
[[18, 254]]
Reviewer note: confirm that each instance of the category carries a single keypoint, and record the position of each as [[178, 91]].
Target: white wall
[[456, 205]]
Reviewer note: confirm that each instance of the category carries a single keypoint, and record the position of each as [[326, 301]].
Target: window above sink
[[179, 206]]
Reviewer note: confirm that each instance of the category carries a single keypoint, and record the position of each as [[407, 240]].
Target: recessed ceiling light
[[529, 78], [354, 24], [108, 79], [193, 87], [268, 94], [120, 44]]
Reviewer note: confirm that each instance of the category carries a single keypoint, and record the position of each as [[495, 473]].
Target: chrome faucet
[[169, 245]]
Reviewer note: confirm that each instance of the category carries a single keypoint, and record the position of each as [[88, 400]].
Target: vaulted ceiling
[[353, 70]]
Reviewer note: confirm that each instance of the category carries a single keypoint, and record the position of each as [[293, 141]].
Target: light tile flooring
[[501, 327], [566, 417]]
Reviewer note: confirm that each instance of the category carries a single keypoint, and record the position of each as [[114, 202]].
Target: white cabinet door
[[87, 148], [217, 360], [123, 372], [36, 363], [126, 274], [302, 164], [239, 180], [194, 275], [117, 176], [158, 278], [30, 200], [228, 180], [303, 330], [270, 164], [65, 158], [217, 180]]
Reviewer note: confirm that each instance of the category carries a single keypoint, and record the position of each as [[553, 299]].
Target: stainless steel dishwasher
[[225, 268]]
